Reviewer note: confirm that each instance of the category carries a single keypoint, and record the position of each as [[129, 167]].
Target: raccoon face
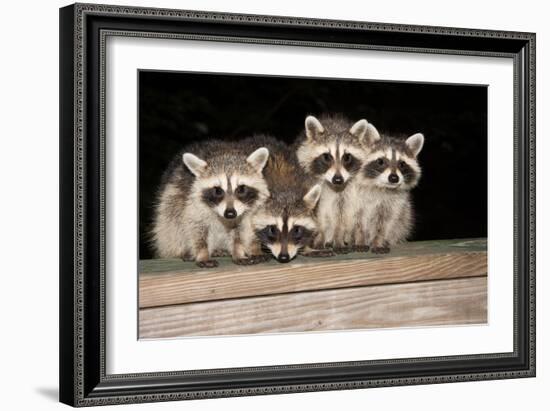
[[333, 155], [285, 232], [392, 164], [230, 193], [228, 202]]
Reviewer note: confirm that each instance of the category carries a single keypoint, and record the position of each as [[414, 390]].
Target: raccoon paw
[[219, 253], [187, 257], [319, 253], [207, 264], [243, 261], [260, 258], [381, 250], [360, 248], [248, 261], [341, 250]]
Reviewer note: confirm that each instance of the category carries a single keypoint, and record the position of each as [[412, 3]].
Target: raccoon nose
[[393, 178], [230, 213], [337, 179], [283, 258]]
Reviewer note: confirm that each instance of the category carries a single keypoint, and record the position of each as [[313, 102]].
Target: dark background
[[451, 198]]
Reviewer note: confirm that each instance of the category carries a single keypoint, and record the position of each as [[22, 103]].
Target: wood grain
[[414, 248], [177, 287], [427, 303]]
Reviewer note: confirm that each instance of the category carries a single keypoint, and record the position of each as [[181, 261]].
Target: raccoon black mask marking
[[376, 167], [215, 195], [299, 236], [392, 162], [331, 148], [325, 161], [227, 192]]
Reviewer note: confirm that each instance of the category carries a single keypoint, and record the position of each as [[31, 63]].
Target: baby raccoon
[[205, 201], [391, 170], [285, 224], [332, 149]]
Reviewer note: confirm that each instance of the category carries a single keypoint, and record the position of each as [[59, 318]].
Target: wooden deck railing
[[420, 283]]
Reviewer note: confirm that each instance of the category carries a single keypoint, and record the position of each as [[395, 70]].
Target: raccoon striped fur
[[205, 201]]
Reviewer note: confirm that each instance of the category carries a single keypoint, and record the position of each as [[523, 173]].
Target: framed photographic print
[[260, 204]]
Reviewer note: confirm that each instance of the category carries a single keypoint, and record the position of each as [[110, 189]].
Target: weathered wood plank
[[185, 287], [404, 250], [442, 302]]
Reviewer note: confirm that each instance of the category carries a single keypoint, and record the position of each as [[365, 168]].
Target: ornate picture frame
[[84, 29]]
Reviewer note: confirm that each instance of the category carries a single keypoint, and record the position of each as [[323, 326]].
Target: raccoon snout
[[337, 179], [283, 258], [230, 213], [393, 178]]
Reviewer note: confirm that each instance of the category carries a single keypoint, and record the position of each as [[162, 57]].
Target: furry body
[[285, 223], [332, 150], [205, 200], [385, 219], [390, 171]]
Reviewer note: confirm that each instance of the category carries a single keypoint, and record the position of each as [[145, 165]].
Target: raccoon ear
[[258, 159], [313, 127], [194, 164], [371, 134], [312, 196], [415, 143], [359, 129]]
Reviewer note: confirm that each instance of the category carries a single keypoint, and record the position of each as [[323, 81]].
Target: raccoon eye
[[327, 157], [346, 158], [218, 191], [241, 190], [272, 231], [297, 232], [402, 164], [381, 161]]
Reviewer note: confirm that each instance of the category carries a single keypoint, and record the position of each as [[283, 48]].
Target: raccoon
[[285, 224], [332, 149], [206, 197], [391, 170]]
